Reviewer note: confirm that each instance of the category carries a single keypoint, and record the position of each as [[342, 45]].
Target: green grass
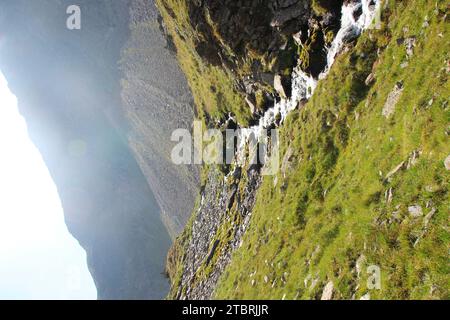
[[331, 208], [213, 87]]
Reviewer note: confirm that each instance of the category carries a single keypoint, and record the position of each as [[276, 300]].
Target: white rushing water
[[303, 84], [351, 27]]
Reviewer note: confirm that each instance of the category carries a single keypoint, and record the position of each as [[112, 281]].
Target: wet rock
[[278, 86], [267, 78], [286, 3]]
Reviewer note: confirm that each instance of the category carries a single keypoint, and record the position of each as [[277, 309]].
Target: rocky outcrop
[[69, 91], [259, 34], [217, 229], [392, 99]]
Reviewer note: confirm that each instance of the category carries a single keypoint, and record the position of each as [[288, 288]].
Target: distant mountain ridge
[[68, 84]]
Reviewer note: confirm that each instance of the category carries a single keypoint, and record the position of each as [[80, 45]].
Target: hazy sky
[[39, 258]]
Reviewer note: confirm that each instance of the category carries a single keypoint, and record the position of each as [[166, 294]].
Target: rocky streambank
[[215, 231]]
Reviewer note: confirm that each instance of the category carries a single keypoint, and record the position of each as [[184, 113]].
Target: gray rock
[[447, 162], [217, 196], [415, 211], [284, 15], [278, 86], [392, 99], [410, 43], [327, 293]]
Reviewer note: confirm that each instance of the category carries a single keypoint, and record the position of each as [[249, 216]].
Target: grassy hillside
[[213, 87], [349, 196], [362, 182]]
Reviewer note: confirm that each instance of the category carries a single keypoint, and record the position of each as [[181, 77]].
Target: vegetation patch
[[343, 207]]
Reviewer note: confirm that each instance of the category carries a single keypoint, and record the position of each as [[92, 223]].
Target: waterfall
[[356, 16], [351, 26]]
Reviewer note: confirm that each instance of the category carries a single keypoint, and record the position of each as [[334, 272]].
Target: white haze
[[39, 259]]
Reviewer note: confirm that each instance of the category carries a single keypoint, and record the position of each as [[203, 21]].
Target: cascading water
[[351, 26], [356, 16]]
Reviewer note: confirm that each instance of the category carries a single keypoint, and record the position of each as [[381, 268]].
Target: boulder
[[392, 99], [282, 86]]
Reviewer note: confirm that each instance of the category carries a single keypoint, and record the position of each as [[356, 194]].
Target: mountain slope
[[363, 183], [341, 207], [157, 101], [68, 85]]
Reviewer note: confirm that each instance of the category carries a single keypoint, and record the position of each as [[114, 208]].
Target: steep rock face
[[262, 30], [245, 45], [68, 86]]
